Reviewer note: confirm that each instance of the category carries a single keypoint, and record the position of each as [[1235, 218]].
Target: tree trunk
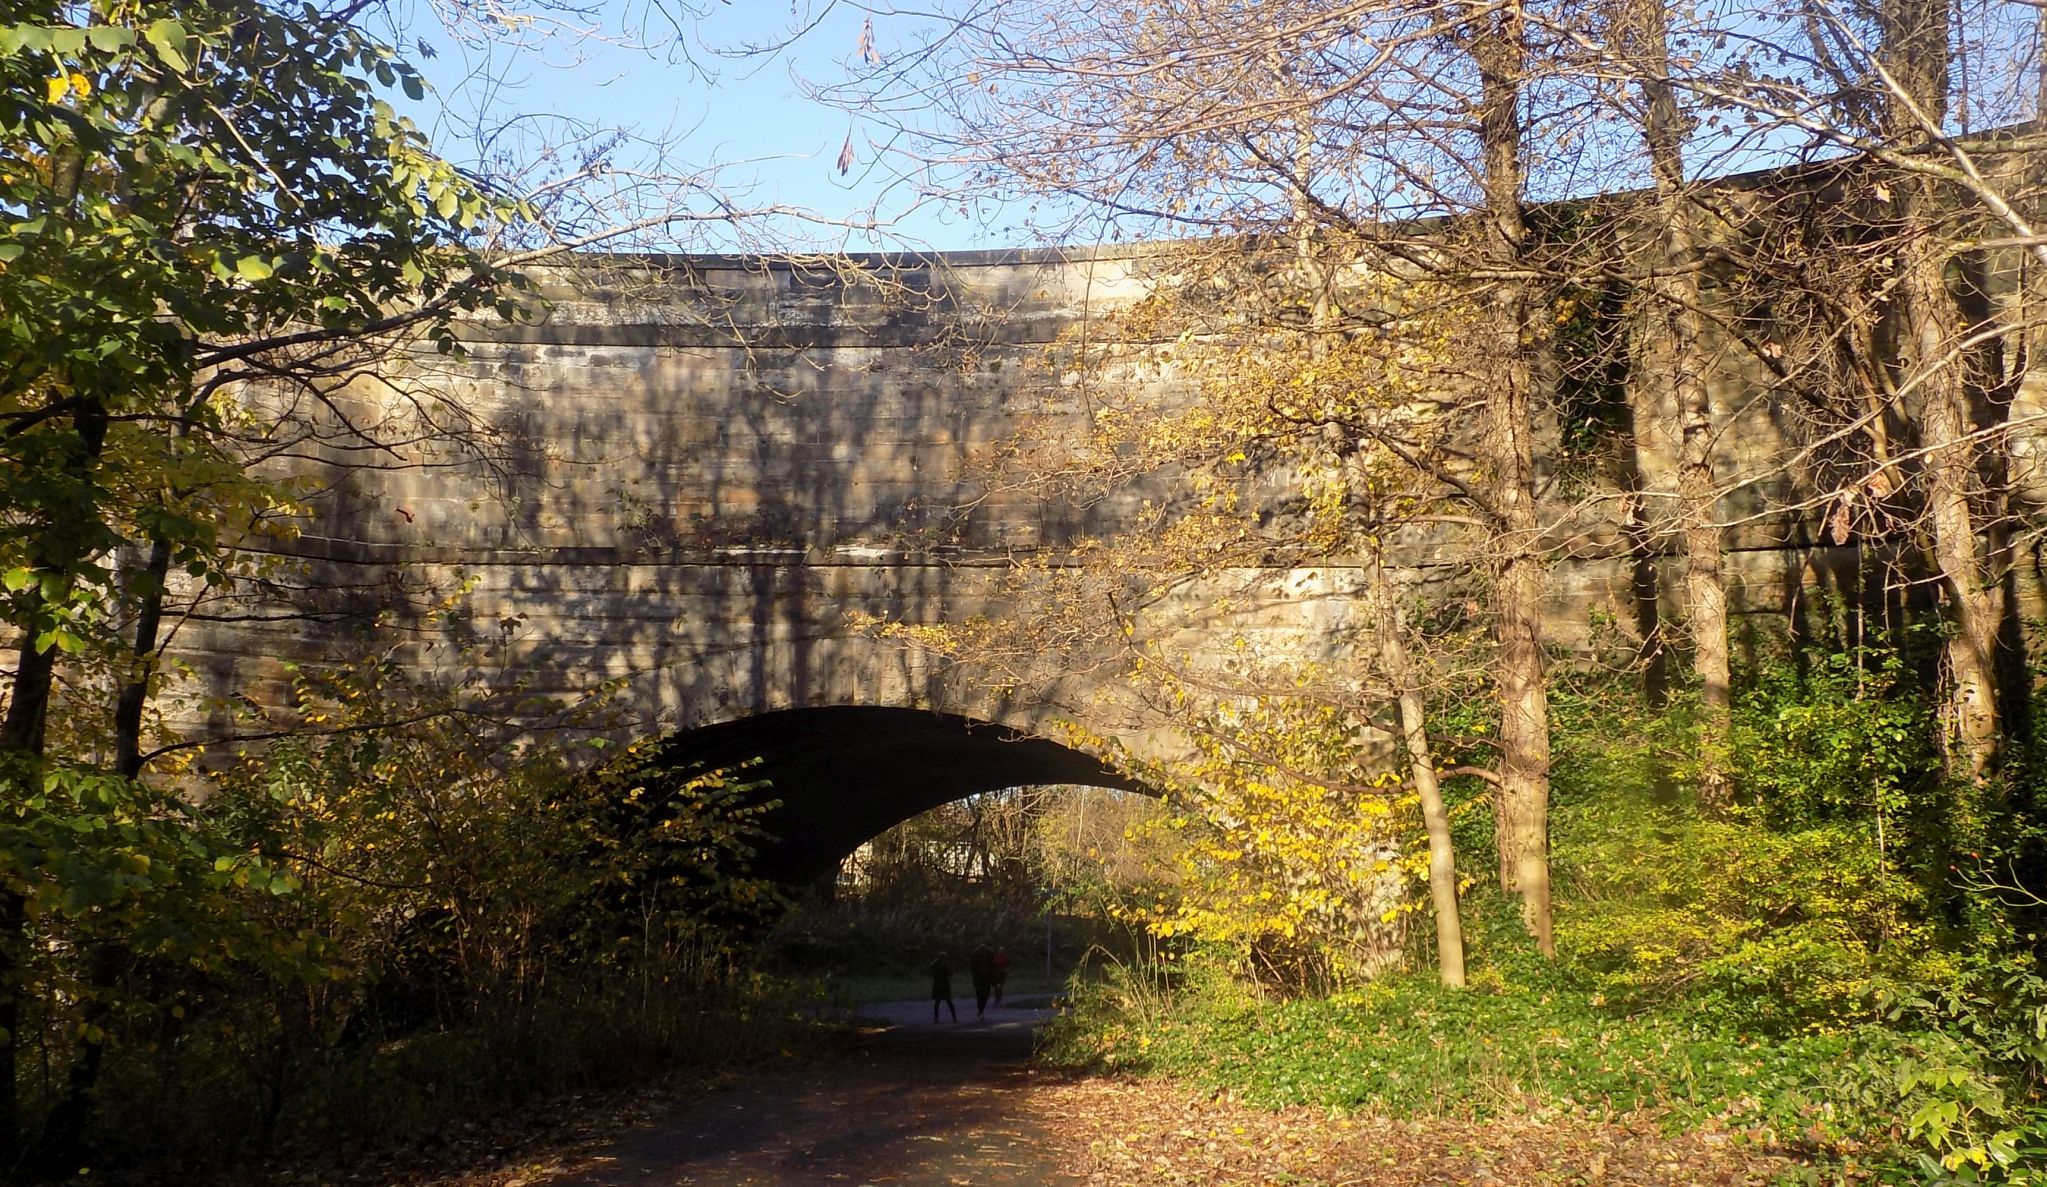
[[1927, 313], [21, 747], [56, 548], [1421, 765], [1915, 51], [134, 698], [21, 732], [69, 1124], [1520, 338], [13, 923], [1680, 368], [1524, 744], [21, 744]]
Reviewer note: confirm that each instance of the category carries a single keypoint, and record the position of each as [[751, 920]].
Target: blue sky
[[708, 106], [694, 102]]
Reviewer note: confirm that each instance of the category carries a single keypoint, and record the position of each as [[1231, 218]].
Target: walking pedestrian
[[982, 966], [941, 987]]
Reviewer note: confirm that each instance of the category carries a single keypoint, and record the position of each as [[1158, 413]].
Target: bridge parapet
[[702, 475]]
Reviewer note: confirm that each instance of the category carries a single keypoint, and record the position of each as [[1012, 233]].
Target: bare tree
[[1677, 364], [1213, 119], [1890, 93]]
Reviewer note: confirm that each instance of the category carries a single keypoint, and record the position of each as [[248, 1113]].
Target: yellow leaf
[[57, 87]]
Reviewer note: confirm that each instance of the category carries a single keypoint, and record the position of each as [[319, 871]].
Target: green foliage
[[1833, 897], [1786, 930], [187, 171], [1802, 907], [1809, 966], [452, 840], [1907, 1101], [402, 909], [106, 866], [194, 195], [1403, 1045], [191, 192], [1843, 736], [1977, 1111], [85, 846]]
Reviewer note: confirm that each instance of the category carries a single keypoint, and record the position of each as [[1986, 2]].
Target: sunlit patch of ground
[[1137, 1133], [900, 1101]]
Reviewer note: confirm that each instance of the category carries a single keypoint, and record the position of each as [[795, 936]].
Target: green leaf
[[108, 38], [415, 90], [17, 579], [33, 38], [253, 268], [60, 639], [168, 38]]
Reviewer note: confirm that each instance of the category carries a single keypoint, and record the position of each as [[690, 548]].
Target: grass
[[1404, 1046]]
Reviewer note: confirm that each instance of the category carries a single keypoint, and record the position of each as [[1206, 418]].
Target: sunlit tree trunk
[[1929, 355], [1421, 766], [1680, 368], [1520, 338], [1929, 320]]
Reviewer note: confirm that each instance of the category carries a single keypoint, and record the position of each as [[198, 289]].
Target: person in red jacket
[[1001, 973]]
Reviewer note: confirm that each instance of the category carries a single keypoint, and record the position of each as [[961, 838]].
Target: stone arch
[[844, 774]]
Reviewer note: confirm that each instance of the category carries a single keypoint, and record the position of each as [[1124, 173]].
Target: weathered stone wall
[[699, 473]]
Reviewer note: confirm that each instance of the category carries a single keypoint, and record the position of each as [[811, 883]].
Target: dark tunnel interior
[[845, 774]]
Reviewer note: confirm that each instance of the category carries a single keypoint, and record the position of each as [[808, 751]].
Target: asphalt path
[[911, 1104]]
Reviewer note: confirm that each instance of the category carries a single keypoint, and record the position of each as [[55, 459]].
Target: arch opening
[[845, 774]]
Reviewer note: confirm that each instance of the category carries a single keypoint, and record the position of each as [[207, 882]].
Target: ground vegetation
[[227, 244], [1414, 249]]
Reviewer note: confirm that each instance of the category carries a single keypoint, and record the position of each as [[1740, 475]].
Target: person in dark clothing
[[941, 987], [1001, 973], [982, 965]]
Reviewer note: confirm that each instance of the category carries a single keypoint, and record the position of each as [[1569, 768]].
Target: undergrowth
[[1404, 1046], [1841, 963], [394, 1098]]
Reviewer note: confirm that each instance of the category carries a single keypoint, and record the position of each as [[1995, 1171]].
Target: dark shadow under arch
[[845, 774]]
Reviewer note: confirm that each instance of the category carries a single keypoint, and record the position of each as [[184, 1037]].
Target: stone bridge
[[700, 478], [695, 479]]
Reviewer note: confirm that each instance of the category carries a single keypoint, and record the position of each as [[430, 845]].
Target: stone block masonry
[[701, 476]]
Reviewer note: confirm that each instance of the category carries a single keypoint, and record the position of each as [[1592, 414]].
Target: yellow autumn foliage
[[1287, 844], [1293, 842]]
